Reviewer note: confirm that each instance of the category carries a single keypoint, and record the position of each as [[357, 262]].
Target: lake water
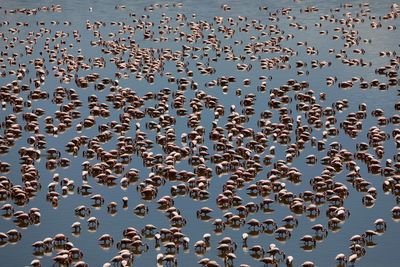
[[113, 16]]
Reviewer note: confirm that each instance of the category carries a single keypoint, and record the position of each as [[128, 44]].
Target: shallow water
[[59, 219]]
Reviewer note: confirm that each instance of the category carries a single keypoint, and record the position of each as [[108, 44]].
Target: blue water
[[59, 219]]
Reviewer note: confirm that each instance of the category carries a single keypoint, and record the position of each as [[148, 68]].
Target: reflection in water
[[199, 133]]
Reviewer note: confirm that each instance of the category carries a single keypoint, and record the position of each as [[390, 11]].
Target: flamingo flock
[[219, 139]]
